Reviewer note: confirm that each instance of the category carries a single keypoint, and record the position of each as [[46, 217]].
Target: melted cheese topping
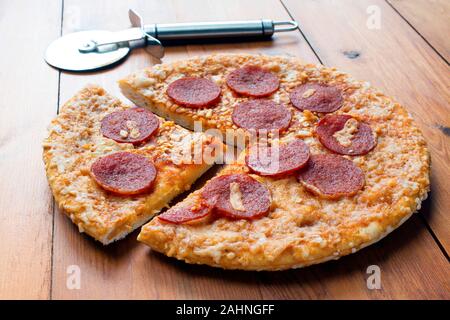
[[308, 93], [133, 129], [236, 197], [345, 135], [123, 133]]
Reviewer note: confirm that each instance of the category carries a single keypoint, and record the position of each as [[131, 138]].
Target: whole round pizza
[[327, 164]]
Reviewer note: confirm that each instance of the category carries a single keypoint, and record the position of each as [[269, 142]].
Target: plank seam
[[435, 238], [427, 225], [417, 31], [301, 32], [53, 199]]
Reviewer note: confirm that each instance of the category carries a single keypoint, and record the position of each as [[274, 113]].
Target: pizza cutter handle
[[218, 29]]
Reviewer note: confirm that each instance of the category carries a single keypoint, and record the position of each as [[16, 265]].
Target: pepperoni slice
[[345, 135], [124, 173], [194, 92], [317, 97], [278, 160], [135, 125], [331, 176], [237, 196], [261, 114], [184, 213], [253, 81]]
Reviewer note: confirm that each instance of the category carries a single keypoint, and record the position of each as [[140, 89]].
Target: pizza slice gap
[[112, 167]]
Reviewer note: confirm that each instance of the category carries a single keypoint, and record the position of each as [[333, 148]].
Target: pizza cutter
[[94, 49]]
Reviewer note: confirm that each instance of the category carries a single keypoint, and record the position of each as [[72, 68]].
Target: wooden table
[[406, 55]]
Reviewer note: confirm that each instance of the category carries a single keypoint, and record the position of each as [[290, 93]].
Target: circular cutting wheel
[[64, 52]]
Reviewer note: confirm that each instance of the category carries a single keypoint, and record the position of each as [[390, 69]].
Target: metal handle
[[291, 26], [217, 29]]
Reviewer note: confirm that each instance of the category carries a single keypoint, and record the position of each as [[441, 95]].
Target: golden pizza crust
[[75, 141], [301, 228]]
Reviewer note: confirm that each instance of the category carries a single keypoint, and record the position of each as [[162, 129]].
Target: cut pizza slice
[[307, 209], [112, 167]]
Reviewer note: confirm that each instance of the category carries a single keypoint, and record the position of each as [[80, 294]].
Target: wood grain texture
[[431, 18], [28, 101], [398, 61]]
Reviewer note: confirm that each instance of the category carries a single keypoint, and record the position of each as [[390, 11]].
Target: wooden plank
[[397, 60], [127, 269], [27, 103], [431, 20]]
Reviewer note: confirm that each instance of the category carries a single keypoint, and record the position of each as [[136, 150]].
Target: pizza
[[112, 167], [327, 164], [334, 165]]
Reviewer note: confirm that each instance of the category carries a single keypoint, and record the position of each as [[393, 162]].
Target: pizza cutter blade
[[64, 53], [90, 50]]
